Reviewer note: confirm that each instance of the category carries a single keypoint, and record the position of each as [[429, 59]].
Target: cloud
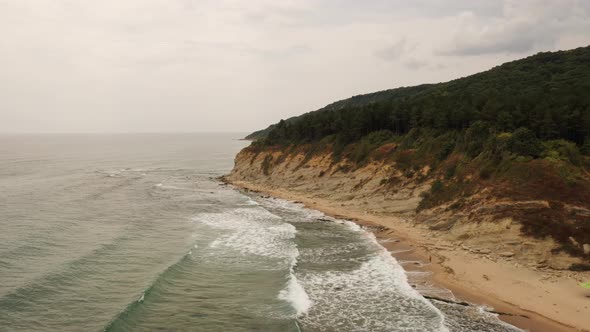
[[239, 65], [416, 64], [524, 26], [280, 53], [394, 51]]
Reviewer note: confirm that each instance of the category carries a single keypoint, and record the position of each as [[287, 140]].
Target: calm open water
[[133, 233]]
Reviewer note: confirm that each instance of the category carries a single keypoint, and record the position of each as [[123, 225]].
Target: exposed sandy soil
[[486, 263]]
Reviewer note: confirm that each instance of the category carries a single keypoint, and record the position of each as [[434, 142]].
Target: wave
[[403, 284], [60, 274], [374, 297], [257, 231], [365, 298], [252, 202], [362, 287], [295, 294], [297, 210], [252, 231], [128, 310], [170, 187]]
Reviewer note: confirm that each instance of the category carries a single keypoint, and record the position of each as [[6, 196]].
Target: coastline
[[502, 285]]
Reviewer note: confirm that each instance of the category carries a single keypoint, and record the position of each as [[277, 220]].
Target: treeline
[[548, 94]]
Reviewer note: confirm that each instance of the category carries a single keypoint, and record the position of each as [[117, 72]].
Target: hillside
[[548, 93], [519, 132]]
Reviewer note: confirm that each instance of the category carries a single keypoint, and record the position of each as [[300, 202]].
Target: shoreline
[[406, 243]]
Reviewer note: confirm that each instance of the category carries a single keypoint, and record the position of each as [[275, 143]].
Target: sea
[[135, 232]]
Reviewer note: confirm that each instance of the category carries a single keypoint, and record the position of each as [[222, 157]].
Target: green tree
[[524, 142]]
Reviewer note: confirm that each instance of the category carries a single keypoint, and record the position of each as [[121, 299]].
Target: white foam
[[284, 204], [365, 299], [303, 213], [169, 187], [295, 294], [387, 240], [252, 231], [251, 202], [256, 231], [374, 297], [353, 226]]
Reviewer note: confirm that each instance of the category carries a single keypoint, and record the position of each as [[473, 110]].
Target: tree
[[524, 142]]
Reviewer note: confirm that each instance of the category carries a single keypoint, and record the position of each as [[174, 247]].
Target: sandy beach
[[531, 299]]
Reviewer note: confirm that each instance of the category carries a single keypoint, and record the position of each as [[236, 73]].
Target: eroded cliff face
[[482, 222], [368, 188]]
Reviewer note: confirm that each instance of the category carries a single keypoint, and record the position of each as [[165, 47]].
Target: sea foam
[[252, 231], [295, 294]]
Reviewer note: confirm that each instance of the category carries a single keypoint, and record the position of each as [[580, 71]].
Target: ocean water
[[134, 233]]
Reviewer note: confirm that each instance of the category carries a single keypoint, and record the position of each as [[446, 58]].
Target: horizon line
[[115, 132]]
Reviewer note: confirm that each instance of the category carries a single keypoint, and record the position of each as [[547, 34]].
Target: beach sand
[[530, 299]]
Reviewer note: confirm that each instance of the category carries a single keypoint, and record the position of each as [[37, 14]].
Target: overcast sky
[[239, 65]]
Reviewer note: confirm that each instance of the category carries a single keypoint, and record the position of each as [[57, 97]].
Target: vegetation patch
[[266, 163]]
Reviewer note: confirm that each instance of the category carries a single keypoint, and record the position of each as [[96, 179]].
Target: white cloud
[[525, 26], [394, 51], [188, 65]]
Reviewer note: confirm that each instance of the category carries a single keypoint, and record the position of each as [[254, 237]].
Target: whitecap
[[295, 294], [252, 231]]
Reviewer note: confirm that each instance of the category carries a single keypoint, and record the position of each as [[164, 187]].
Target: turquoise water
[[134, 233]]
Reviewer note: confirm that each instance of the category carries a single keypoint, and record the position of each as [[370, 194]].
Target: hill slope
[[475, 158], [548, 93]]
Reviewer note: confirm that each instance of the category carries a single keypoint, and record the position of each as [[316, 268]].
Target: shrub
[[436, 186], [361, 152], [450, 171], [524, 142], [404, 159], [410, 139], [338, 149], [486, 172], [446, 150], [266, 164], [380, 137], [499, 146], [562, 150], [456, 205], [580, 267], [476, 137]]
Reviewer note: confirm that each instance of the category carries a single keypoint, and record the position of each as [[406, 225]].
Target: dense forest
[[543, 97]]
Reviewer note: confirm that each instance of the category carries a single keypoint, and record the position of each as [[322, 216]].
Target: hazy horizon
[[238, 66], [8, 133]]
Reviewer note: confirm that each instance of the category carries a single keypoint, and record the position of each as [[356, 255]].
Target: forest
[[540, 98]]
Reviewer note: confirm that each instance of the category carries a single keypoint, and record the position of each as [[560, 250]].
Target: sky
[[240, 65]]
